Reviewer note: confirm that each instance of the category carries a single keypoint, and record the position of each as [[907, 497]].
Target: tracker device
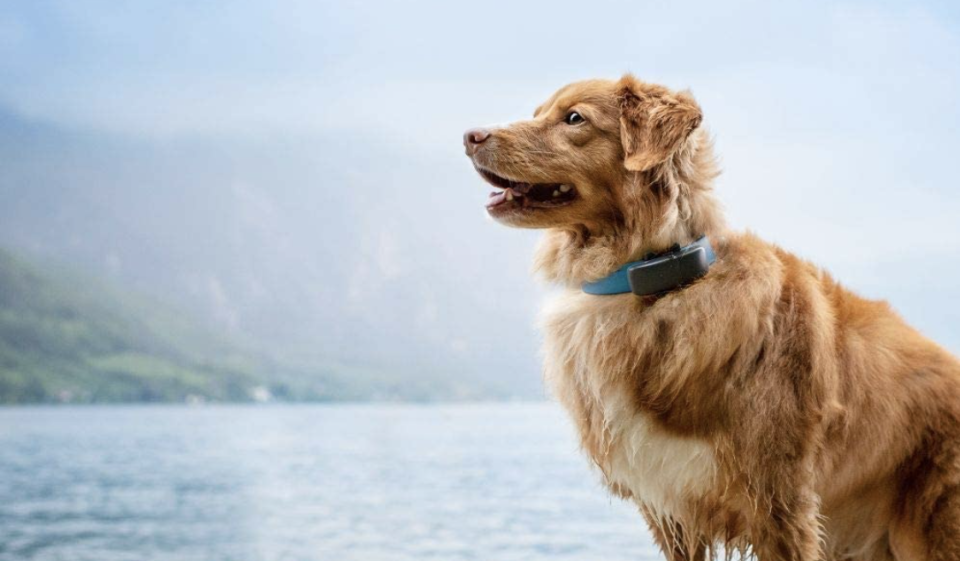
[[658, 274]]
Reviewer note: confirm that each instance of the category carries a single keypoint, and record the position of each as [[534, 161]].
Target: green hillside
[[65, 337]]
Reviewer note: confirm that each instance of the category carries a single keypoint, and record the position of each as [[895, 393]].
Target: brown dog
[[763, 407]]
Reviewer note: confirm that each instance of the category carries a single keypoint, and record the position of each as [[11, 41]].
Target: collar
[[658, 273]]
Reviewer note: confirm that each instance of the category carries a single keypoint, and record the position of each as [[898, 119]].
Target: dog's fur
[[763, 408]]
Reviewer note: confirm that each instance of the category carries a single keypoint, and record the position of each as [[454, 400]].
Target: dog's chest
[[638, 457], [662, 471]]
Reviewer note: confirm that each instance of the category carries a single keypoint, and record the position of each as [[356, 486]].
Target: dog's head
[[577, 163]]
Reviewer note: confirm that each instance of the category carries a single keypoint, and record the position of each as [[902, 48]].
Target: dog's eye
[[573, 118]]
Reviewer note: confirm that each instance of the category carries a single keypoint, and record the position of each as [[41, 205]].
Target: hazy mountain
[[312, 250], [69, 337], [63, 338]]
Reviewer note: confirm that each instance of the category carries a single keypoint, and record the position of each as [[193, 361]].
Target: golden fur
[[764, 408]]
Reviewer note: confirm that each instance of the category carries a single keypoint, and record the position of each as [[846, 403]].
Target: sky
[[837, 124]]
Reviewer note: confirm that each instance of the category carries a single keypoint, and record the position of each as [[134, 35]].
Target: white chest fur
[[660, 470]]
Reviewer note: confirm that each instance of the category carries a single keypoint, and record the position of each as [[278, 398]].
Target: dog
[[739, 395]]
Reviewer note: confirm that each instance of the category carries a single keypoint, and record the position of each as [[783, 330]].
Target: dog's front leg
[[786, 525], [778, 467]]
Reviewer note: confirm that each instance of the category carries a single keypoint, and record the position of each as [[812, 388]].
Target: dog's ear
[[654, 122]]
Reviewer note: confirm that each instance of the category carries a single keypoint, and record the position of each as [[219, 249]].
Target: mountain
[[65, 337], [329, 250]]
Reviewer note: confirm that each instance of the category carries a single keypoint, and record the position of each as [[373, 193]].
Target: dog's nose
[[473, 138]]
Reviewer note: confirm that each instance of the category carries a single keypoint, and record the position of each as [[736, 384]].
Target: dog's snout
[[473, 138]]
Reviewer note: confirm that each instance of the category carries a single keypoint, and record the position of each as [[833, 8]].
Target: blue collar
[[659, 273]]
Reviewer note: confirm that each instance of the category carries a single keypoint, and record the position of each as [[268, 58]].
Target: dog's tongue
[[496, 198], [499, 197]]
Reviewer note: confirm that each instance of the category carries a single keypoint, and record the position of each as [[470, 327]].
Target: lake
[[497, 482]]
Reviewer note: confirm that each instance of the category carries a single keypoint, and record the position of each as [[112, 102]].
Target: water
[[341, 482]]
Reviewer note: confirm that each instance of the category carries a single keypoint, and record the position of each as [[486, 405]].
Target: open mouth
[[521, 195]]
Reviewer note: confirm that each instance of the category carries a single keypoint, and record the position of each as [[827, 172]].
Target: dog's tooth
[[565, 188], [509, 195], [556, 193]]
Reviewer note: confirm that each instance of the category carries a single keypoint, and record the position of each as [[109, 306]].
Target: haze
[[291, 172]]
